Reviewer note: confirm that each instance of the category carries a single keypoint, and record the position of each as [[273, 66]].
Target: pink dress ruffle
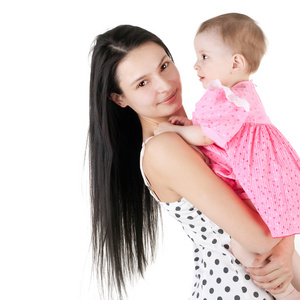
[[251, 154]]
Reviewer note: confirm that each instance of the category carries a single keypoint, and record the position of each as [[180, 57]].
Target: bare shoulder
[[169, 162], [161, 141], [160, 164], [161, 147], [168, 145], [167, 154]]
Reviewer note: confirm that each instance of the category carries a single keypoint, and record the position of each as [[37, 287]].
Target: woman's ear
[[239, 63], [117, 98]]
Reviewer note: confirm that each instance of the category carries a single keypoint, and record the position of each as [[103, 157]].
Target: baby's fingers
[[174, 120]]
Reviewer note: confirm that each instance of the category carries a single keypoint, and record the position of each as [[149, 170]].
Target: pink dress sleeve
[[219, 117]]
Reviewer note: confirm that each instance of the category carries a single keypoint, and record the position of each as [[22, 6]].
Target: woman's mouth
[[170, 98]]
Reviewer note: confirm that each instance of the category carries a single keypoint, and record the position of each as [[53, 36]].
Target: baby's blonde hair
[[241, 34]]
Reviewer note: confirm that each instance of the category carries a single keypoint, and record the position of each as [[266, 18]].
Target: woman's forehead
[[141, 61]]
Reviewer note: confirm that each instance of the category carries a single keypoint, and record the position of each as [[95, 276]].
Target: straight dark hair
[[124, 215]]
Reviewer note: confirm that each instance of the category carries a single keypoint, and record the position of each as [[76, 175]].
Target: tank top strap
[[147, 183]]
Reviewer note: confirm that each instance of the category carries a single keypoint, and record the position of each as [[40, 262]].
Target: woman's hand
[[276, 273]]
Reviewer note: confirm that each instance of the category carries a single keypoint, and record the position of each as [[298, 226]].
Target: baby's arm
[[192, 134]]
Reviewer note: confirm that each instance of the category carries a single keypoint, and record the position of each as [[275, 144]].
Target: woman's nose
[[163, 84]]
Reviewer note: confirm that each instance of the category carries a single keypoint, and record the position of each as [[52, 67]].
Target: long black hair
[[124, 215]]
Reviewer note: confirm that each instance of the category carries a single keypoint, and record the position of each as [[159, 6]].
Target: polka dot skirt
[[218, 274]]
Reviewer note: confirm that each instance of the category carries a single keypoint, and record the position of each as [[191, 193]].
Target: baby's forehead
[[209, 38], [213, 33]]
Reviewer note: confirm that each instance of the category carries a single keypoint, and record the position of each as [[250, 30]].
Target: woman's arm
[[176, 170]]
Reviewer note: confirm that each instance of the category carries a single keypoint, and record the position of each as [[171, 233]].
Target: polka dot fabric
[[218, 275], [251, 151]]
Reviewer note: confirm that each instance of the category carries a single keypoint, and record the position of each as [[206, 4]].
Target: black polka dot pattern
[[218, 274]]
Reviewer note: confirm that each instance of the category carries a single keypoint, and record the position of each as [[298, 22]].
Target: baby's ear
[[118, 99], [239, 63]]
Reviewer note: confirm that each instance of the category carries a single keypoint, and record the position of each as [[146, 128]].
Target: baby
[[245, 149]]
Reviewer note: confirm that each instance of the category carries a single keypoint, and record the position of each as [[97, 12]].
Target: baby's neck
[[235, 81]]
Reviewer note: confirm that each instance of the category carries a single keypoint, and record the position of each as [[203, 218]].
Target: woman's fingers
[[261, 259], [273, 280], [275, 286], [276, 273]]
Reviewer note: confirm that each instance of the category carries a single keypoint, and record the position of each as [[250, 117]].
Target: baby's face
[[214, 58]]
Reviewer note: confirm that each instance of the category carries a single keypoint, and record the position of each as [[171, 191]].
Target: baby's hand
[[177, 120], [163, 127]]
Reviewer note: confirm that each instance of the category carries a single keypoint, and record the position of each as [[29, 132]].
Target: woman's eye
[[142, 83], [164, 66]]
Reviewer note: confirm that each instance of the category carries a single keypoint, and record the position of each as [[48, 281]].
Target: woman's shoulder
[[161, 146], [159, 164], [162, 140], [162, 149], [168, 162], [166, 152]]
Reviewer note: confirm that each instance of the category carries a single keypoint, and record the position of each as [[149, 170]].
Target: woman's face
[[150, 83]]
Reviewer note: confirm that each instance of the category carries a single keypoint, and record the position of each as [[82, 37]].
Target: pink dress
[[251, 155]]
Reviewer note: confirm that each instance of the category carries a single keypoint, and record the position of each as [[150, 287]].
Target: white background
[[44, 72]]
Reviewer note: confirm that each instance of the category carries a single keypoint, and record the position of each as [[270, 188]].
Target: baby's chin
[[204, 85]]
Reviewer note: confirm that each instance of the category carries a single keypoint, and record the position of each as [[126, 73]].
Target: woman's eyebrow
[[143, 76], [161, 61]]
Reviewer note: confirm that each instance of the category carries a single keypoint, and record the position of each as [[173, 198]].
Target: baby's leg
[[247, 258], [244, 256]]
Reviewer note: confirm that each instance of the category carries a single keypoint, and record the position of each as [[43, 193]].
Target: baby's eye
[[142, 83], [204, 56], [164, 66]]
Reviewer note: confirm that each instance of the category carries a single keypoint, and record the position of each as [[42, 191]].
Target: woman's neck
[[149, 124]]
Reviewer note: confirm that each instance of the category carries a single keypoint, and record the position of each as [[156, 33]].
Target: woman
[[134, 86]]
